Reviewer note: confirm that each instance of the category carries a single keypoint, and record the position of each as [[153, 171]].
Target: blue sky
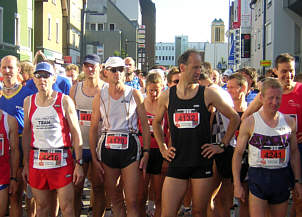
[[188, 17]]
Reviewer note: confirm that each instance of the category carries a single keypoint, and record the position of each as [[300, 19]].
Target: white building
[[165, 53], [281, 33], [216, 54]]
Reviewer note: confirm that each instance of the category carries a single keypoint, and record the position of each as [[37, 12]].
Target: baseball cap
[[45, 66], [114, 62], [228, 72], [92, 59]]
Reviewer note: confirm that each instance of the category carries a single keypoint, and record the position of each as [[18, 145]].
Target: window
[[49, 27], [1, 24], [73, 39], [172, 48], [258, 39], [268, 33], [166, 57], [159, 48], [159, 57], [111, 27], [17, 29], [169, 57], [29, 35], [217, 34], [57, 31], [100, 27], [93, 27], [172, 58]]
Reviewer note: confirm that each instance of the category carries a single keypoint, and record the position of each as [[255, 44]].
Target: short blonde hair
[[273, 83]]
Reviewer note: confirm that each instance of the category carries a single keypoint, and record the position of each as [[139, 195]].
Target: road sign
[[265, 63]]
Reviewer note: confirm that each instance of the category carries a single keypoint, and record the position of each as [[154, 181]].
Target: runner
[[154, 86], [271, 138], [118, 150], [50, 118], [11, 102], [82, 94], [9, 159], [291, 103], [191, 154]]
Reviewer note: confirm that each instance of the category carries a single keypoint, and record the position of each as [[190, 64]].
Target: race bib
[[49, 158], [117, 141], [84, 118], [273, 156], [150, 120], [186, 118], [1, 147]]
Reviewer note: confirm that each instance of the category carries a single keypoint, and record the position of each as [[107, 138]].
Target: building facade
[[16, 28], [217, 31], [165, 54], [109, 31], [216, 52], [48, 28], [72, 32], [276, 29]]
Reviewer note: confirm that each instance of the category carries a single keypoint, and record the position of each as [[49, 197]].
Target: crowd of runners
[[181, 141]]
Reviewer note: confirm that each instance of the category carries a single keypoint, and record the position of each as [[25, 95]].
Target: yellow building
[[48, 27], [72, 32], [217, 31]]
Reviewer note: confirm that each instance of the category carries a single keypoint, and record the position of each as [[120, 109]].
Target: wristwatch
[[146, 150], [80, 162], [298, 181], [221, 145]]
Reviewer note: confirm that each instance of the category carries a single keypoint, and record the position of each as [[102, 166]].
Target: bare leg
[[202, 189], [131, 179], [172, 195], [115, 194], [4, 201], [66, 200], [42, 202], [257, 206]]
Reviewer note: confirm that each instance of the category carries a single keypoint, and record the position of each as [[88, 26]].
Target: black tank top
[[190, 128]]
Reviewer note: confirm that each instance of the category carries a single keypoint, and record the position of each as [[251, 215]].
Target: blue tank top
[[13, 105]]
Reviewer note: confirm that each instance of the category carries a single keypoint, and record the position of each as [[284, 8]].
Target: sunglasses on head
[[42, 75], [175, 81], [116, 69]]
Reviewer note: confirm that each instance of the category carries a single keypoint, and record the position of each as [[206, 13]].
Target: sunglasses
[[175, 81], [42, 75], [116, 69]]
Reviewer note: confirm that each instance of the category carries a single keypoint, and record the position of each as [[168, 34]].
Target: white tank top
[[118, 115], [269, 147], [49, 125], [84, 109]]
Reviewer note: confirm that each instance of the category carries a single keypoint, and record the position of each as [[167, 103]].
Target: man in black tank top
[[191, 155]]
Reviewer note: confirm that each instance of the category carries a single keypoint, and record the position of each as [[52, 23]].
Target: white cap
[[160, 72], [114, 62], [228, 72]]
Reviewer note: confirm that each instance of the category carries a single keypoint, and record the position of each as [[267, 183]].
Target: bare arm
[[140, 109], [14, 151], [143, 118], [254, 106], [76, 136], [212, 97], [167, 152], [39, 53], [72, 92], [295, 156], [14, 143], [93, 134], [245, 132], [26, 138]]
